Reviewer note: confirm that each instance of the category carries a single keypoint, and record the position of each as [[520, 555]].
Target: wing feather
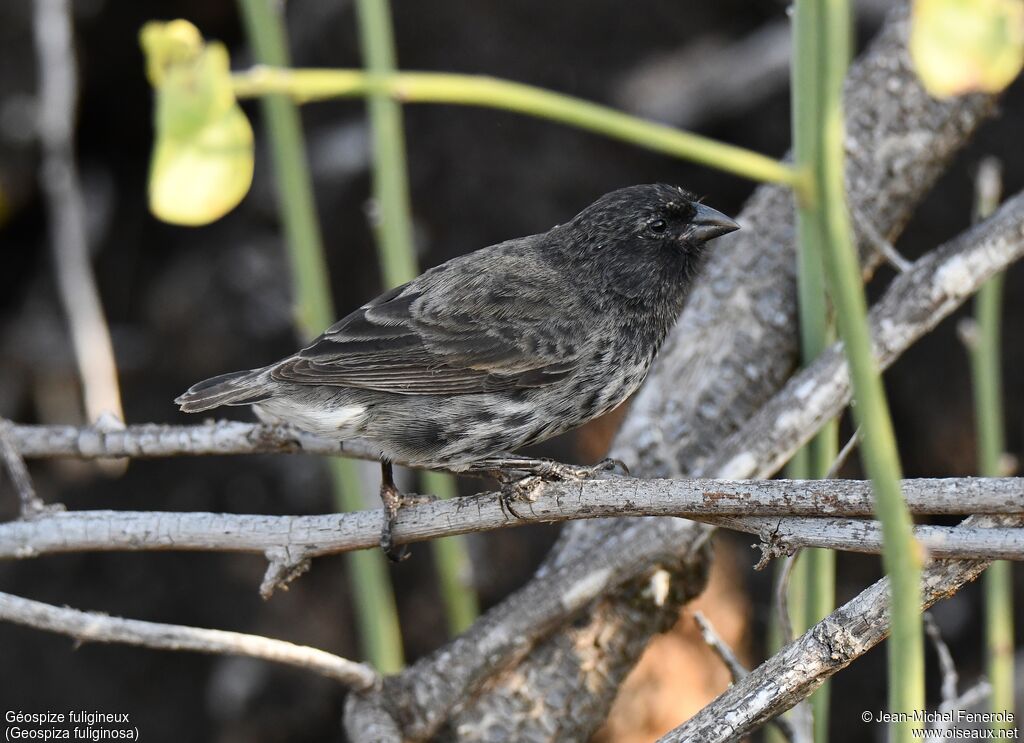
[[434, 337]]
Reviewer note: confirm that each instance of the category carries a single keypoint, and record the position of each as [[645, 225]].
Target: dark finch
[[497, 349]]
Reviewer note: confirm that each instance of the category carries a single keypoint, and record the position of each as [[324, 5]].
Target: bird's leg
[[520, 476], [392, 500]]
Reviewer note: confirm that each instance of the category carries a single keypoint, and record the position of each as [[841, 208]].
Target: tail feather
[[236, 388]]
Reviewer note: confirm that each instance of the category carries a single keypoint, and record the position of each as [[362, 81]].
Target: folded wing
[[439, 336]]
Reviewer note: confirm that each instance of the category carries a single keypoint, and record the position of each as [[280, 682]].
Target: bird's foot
[[393, 501], [517, 488]]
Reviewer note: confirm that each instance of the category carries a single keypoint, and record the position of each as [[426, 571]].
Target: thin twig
[[782, 597], [950, 677], [146, 440], [87, 626], [31, 504], [736, 669], [974, 695], [58, 84], [844, 454], [885, 248], [988, 188], [781, 536]]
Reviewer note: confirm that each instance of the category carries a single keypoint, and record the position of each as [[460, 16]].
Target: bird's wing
[[447, 335]]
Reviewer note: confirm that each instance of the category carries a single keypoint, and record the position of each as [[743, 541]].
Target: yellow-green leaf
[[963, 46], [203, 155]]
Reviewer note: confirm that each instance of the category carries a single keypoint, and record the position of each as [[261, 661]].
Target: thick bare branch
[[826, 648], [738, 671], [914, 303], [87, 626], [733, 348], [290, 541], [902, 308]]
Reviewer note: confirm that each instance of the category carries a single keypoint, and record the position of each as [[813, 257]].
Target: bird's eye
[[658, 226]]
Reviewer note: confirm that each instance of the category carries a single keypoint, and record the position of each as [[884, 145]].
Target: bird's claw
[[393, 501], [611, 464], [521, 490], [516, 488]]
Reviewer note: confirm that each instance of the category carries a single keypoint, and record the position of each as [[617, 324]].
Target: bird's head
[[642, 238], [658, 216]]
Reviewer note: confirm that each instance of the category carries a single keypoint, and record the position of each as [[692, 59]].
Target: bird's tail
[[236, 388]]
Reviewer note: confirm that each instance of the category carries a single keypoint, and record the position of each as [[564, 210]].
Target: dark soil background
[[185, 304]]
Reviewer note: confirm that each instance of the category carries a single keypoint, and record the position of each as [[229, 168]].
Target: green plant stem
[[987, 378], [314, 310], [816, 333], [391, 217], [453, 564], [988, 417], [392, 221], [376, 613], [829, 20], [476, 90], [821, 600]]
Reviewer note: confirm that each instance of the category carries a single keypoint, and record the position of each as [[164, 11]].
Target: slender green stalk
[[816, 334], [821, 600], [453, 565], [391, 216], [998, 589], [798, 468], [298, 211], [393, 226], [375, 602], [987, 377], [796, 603], [476, 90], [988, 417], [829, 20]]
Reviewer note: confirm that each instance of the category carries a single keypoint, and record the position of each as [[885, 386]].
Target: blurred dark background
[[184, 304]]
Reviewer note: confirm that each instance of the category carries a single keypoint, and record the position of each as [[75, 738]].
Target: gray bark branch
[[797, 670], [913, 304], [733, 348], [31, 504], [787, 512], [781, 536], [148, 440], [738, 671], [87, 626]]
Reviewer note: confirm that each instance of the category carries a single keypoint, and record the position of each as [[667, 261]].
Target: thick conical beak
[[708, 223]]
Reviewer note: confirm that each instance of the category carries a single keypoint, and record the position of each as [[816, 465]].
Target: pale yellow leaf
[[203, 155], [964, 46], [197, 180]]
